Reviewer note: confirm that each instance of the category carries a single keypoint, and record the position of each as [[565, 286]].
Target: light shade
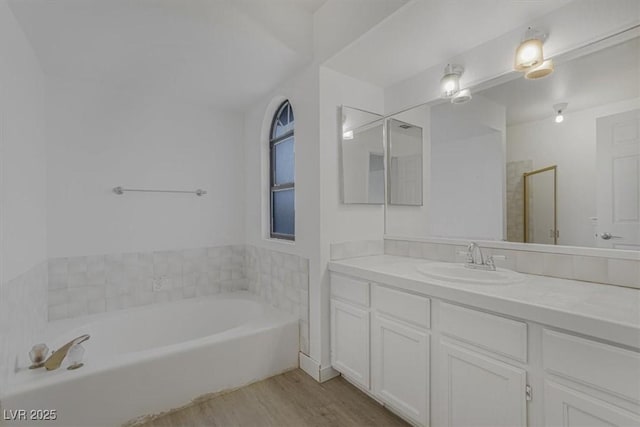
[[528, 54], [462, 96], [542, 70], [347, 135], [450, 82]]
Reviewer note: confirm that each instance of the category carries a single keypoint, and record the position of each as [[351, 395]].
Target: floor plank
[[292, 399]]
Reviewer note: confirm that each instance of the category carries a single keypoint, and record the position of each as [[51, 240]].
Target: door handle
[[609, 236]]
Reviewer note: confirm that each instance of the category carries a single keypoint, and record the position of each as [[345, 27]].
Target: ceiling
[[605, 76], [221, 53], [425, 33]]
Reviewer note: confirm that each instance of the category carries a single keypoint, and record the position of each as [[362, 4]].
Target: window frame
[[273, 187]]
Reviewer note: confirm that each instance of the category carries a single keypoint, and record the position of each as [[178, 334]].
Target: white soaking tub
[[152, 359]]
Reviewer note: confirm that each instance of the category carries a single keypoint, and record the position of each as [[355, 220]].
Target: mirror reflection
[[362, 155], [554, 160], [405, 163]]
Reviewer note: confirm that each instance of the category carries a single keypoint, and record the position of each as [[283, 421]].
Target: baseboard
[[327, 373], [314, 370]]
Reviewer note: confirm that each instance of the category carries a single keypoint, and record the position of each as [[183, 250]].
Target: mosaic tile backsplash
[[95, 284]]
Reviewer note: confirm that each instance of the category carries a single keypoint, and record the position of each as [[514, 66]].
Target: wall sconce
[[558, 109], [347, 135], [450, 82], [529, 52], [542, 70]]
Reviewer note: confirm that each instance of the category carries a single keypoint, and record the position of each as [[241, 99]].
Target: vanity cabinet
[[400, 352], [350, 328], [350, 341], [478, 390], [476, 367], [566, 407]]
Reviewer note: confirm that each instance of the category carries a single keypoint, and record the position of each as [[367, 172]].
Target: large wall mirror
[[362, 156], [506, 166]]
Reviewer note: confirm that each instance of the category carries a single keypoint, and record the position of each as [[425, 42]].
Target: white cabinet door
[[480, 391], [565, 407], [400, 368], [350, 341]]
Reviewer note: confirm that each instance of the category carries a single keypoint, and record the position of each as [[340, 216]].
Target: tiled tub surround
[[95, 284], [598, 269], [283, 281], [23, 315]]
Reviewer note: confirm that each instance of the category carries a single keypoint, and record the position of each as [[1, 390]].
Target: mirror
[[404, 142], [362, 154], [505, 166]]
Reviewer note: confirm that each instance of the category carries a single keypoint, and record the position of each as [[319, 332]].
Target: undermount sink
[[458, 273]]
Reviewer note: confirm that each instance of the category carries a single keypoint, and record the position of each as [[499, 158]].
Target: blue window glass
[[282, 173], [283, 212]]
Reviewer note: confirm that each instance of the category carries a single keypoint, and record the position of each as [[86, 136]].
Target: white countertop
[[607, 312]]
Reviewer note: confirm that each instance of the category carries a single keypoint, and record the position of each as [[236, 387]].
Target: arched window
[[282, 173]]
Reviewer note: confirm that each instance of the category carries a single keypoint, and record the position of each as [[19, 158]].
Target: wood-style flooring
[[290, 399]]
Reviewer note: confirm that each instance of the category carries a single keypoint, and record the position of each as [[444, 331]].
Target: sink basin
[[458, 273]]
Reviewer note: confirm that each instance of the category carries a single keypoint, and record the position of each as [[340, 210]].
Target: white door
[[400, 368], [480, 391], [565, 407], [350, 341], [618, 161]]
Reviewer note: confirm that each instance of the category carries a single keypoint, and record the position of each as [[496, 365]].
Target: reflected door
[[540, 219], [618, 157]]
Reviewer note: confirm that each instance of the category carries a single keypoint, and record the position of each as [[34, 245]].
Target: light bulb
[[529, 52], [558, 109], [450, 82]]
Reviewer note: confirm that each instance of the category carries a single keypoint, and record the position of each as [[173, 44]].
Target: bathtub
[[151, 359]]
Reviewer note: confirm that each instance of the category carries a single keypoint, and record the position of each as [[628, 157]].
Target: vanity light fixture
[[450, 82], [461, 97], [347, 135], [529, 52], [542, 70], [558, 109]]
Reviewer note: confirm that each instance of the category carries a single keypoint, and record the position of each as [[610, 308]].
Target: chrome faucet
[[473, 253], [55, 360], [476, 260]]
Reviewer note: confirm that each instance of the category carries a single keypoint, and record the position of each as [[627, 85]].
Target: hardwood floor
[[291, 399]]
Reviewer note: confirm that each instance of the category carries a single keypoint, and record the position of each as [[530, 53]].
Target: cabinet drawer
[[401, 305], [601, 366], [495, 333], [350, 289]]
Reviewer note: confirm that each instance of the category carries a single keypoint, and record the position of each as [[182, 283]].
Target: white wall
[[302, 91], [568, 27], [572, 146], [466, 191], [102, 139], [340, 222], [22, 151], [23, 285]]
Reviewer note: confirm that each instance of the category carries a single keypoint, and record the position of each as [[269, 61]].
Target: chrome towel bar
[[120, 190]]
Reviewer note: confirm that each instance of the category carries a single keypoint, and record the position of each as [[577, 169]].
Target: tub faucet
[[55, 360]]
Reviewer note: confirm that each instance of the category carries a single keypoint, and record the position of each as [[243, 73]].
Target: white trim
[[310, 366], [527, 247], [314, 370], [328, 373]]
